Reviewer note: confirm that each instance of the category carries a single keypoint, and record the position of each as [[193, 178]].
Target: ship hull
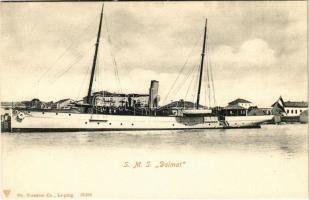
[[60, 122]]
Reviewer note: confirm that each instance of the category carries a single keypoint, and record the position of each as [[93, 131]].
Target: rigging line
[[182, 68], [75, 57], [187, 77], [208, 74], [115, 79], [179, 87], [206, 80], [193, 77], [205, 85], [96, 77], [118, 75], [210, 92], [61, 55], [58, 58], [208, 83], [64, 69], [211, 76], [113, 56], [62, 41], [191, 73], [97, 74], [196, 85], [111, 43], [100, 66], [98, 71], [83, 82], [173, 88], [79, 58], [70, 66], [116, 70]]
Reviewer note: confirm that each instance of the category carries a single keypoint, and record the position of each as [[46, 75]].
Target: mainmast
[[201, 69], [95, 58]]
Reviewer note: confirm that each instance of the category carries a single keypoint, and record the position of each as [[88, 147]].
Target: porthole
[[132, 124], [208, 124], [43, 113], [86, 122], [110, 123], [56, 113], [69, 114], [121, 124], [173, 124], [28, 111], [98, 123]]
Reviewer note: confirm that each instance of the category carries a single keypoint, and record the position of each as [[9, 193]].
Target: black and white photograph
[[158, 99]]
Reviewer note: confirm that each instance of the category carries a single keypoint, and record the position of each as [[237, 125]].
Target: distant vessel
[[88, 120]]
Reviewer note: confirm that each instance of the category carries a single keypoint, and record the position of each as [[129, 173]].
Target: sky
[[256, 50]]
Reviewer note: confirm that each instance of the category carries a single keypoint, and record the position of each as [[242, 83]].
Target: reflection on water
[[287, 139], [270, 160]]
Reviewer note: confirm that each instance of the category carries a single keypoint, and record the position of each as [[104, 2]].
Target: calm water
[[267, 162]]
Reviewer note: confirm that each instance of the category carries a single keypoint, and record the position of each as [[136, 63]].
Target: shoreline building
[[238, 107], [241, 102], [295, 108], [63, 104], [290, 111], [289, 108]]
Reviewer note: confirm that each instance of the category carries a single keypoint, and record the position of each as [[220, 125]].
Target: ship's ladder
[[224, 123]]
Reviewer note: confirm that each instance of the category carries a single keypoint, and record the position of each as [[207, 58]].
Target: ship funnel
[[153, 94]]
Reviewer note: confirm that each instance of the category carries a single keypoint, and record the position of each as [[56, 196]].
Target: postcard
[[161, 99]]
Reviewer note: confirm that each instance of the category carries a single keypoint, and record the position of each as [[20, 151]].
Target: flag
[[280, 104]]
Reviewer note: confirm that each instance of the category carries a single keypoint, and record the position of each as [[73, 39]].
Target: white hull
[[51, 121]]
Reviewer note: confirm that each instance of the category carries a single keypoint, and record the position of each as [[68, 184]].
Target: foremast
[[95, 58], [201, 68]]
